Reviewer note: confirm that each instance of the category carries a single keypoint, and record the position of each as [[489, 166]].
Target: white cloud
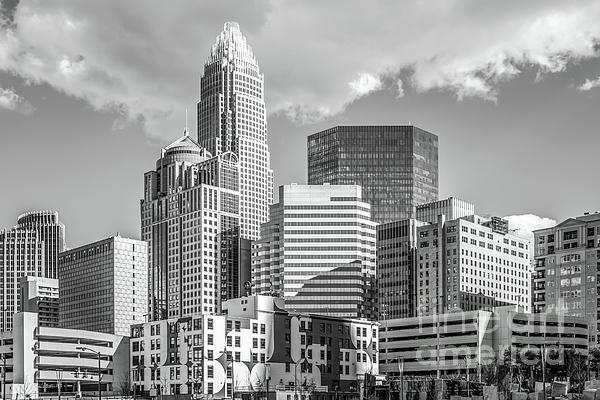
[[143, 58], [524, 225], [12, 101], [365, 84], [590, 84], [400, 89]]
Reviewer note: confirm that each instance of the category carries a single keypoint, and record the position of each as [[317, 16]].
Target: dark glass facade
[[396, 268], [397, 166]]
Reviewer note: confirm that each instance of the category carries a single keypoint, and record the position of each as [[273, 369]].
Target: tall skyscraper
[[103, 285], [190, 219], [397, 166], [567, 261], [232, 118], [317, 251], [51, 231]]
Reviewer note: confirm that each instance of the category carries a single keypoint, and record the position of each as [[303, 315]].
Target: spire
[[186, 131]]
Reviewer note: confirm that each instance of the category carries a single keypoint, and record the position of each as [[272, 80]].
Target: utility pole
[[468, 376], [543, 360], [437, 332], [59, 376]]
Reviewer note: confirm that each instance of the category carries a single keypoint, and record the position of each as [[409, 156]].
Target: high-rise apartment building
[[232, 118], [51, 231], [397, 166], [469, 262], [40, 296], [190, 219], [104, 285], [567, 261], [318, 251]]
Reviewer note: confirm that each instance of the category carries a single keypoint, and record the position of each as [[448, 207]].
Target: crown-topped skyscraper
[[232, 117]]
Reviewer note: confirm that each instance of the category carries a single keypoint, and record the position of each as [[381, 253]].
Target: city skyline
[[534, 103], [427, 228]]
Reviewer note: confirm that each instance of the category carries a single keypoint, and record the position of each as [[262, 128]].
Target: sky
[[91, 91]]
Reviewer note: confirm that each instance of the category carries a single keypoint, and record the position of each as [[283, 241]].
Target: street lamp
[[99, 369]]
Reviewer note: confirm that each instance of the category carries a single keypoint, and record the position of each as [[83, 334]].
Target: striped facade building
[[318, 251]]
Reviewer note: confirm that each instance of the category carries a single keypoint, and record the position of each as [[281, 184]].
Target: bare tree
[[595, 361], [576, 370], [125, 385]]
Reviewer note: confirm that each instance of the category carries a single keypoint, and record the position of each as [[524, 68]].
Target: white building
[[465, 341], [40, 360], [104, 285], [469, 340], [40, 295], [318, 251], [232, 118], [451, 208], [470, 262], [255, 348]]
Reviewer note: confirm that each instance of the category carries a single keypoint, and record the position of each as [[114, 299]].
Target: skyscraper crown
[[231, 44]]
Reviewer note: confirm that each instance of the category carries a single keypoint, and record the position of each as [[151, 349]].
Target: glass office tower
[[397, 166]]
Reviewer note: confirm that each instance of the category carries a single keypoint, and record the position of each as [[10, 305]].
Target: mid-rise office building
[[51, 231], [40, 295], [397, 258], [256, 347], [463, 342], [470, 256], [567, 261], [318, 251], [232, 118], [191, 221], [397, 166], [104, 285], [45, 361]]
